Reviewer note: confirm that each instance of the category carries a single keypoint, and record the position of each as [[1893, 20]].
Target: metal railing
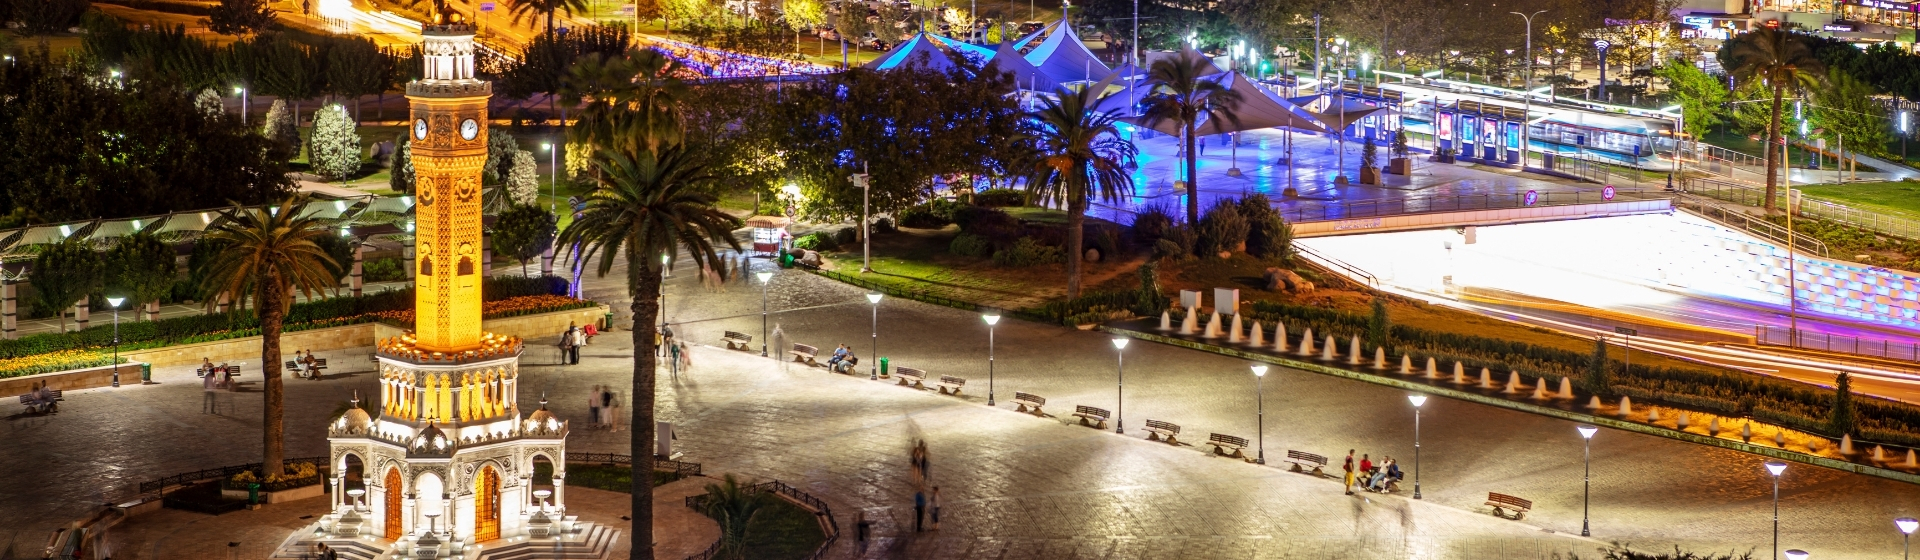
[[1829, 342], [1885, 224], [1337, 263], [160, 484], [1349, 209], [1601, 172], [1740, 220], [828, 524], [681, 468]]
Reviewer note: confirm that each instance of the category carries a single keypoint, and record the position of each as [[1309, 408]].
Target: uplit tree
[[334, 150], [523, 10], [1181, 95], [522, 184], [141, 268], [1783, 60], [281, 129], [1081, 158], [1702, 96], [64, 273]]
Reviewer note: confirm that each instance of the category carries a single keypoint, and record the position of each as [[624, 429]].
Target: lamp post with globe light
[[766, 279], [114, 302], [1260, 414], [1907, 526], [1586, 480], [991, 319], [1417, 400], [1797, 554], [1775, 468], [1120, 385], [874, 373]]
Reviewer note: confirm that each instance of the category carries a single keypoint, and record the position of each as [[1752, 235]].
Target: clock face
[[469, 129], [420, 129]]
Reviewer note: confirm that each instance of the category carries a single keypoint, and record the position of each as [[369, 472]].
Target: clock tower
[[449, 111]]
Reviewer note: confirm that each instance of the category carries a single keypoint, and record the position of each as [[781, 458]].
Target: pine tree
[[281, 128], [401, 180], [334, 149], [1377, 326], [1842, 421], [523, 184], [1598, 377], [1369, 153]]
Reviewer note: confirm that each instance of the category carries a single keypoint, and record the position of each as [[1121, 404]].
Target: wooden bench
[[1222, 442], [950, 382], [905, 373], [733, 339], [1162, 431], [1303, 460], [319, 365], [1503, 502], [846, 364], [53, 405], [1092, 416], [1023, 400], [804, 354]]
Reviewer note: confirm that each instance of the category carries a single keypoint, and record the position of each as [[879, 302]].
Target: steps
[[348, 549], [588, 542]]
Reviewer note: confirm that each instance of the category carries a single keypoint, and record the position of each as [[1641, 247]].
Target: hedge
[[1791, 404]]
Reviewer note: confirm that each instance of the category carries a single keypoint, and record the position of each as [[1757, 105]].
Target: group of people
[[1368, 476], [601, 403], [924, 502], [40, 399], [572, 339], [843, 358], [305, 366], [719, 64], [212, 379]]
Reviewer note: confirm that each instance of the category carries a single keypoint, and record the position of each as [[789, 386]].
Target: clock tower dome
[[449, 113]]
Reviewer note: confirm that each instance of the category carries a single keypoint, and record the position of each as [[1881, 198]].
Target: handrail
[[1740, 220], [1376, 207], [1748, 195], [829, 525], [1353, 270]]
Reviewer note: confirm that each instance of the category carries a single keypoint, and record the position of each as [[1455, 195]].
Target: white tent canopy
[[1064, 58], [1025, 75], [1257, 109]]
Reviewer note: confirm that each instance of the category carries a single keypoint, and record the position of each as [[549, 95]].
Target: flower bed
[[55, 361], [297, 475], [510, 307], [1726, 392]]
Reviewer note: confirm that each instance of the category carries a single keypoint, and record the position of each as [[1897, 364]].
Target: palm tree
[[523, 10], [1181, 95], [269, 251], [631, 103], [1783, 60], [1080, 156], [648, 204]]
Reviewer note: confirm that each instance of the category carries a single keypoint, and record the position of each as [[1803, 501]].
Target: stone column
[[339, 488], [9, 309], [559, 486], [406, 253], [359, 257], [80, 315], [546, 261], [486, 256], [408, 509], [225, 301], [153, 310]]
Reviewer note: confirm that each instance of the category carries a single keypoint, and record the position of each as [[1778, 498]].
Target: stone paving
[[1016, 486]]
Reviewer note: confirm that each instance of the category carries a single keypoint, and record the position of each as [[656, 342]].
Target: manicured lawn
[[1892, 197], [612, 478], [781, 531]]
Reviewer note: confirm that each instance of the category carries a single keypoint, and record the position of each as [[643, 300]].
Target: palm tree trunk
[[273, 428], [1773, 143], [1076, 219], [646, 310], [1193, 179]]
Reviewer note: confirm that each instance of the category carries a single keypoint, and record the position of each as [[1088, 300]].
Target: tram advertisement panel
[[1469, 133], [1513, 142], [1443, 128]]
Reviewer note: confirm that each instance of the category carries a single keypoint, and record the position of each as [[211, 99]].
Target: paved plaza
[[1017, 486]]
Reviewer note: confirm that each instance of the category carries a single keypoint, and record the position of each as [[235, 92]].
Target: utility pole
[[861, 180], [1136, 45], [1526, 126]]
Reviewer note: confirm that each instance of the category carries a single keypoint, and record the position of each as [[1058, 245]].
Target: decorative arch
[[392, 505], [486, 504], [426, 265]]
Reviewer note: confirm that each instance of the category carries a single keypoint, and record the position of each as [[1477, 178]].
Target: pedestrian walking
[[935, 502], [913, 463], [612, 411], [209, 387], [1348, 466], [604, 400], [919, 509], [666, 339], [579, 339], [566, 344], [861, 528], [779, 336], [593, 406]]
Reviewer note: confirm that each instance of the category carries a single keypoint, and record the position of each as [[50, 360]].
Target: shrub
[[994, 224], [846, 235], [970, 245], [883, 225], [1090, 307], [1152, 222], [1000, 197], [1222, 229], [1167, 249], [1104, 239], [1270, 239], [1182, 237], [381, 270], [931, 215], [1027, 252], [817, 241]]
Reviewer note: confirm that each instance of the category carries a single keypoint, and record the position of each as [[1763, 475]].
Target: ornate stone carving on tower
[[448, 461]]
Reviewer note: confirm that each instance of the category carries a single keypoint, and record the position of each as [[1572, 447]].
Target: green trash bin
[[607, 324], [253, 493], [883, 366], [146, 373]]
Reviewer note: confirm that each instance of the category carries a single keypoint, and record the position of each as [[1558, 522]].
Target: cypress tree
[[1842, 420], [1377, 325], [1597, 368], [281, 128]]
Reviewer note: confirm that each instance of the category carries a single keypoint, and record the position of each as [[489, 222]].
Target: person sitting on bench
[[847, 364], [307, 364], [1381, 475], [40, 397], [839, 354]]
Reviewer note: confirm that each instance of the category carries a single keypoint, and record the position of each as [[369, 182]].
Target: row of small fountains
[[1514, 385]]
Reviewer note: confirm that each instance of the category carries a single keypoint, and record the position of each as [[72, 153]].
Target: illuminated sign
[[1490, 133], [1836, 27], [1697, 21], [1444, 126], [1884, 5], [1469, 133], [1532, 197], [1607, 193], [1513, 136], [1368, 223]]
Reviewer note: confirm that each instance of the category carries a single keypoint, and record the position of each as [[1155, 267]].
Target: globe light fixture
[[992, 319], [1260, 414], [1417, 400]]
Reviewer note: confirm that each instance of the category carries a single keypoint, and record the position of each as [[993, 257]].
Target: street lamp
[[1906, 525], [1417, 400], [237, 90], [115, 303], [1775, 468], [1797, 554], [874, 373], [1260, 397], [1526, 123], [1586, 480], [991, 319], [1120, 386], [553, 176], [766, 279]]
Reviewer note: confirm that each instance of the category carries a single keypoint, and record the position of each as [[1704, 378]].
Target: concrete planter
[[69, 380], [1399, 166]]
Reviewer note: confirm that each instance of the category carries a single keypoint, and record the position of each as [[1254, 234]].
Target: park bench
[[54, 394], [905, 373], [1303, 460], [950, 382], [736, 339], [1091, 416], [846, 364], [1024, 400], [1157, 430], [319, 365], [1502, 502], [1222, 442], [803, 353]]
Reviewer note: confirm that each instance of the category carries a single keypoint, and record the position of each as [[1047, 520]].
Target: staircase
[[354, 549], [588, 541]]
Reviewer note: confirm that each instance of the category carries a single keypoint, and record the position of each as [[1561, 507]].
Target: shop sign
[[1839, 27]]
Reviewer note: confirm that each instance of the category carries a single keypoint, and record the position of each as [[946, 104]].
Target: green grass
[[780, 531], [1891, 197], [612, 478]]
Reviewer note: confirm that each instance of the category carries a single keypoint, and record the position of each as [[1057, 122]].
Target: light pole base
[[1416, 492], [1233, 172], [989, 399], [1260, 461]]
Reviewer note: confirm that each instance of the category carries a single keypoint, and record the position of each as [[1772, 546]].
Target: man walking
[[919, 509], [209, 403], [1348, 466]]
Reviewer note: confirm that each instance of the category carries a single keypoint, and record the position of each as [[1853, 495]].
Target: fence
[[160, 484], [1740, 220], [681, 468], [1344, 210], [1897, 226], [1829, 342], [828, 525], [1598, 171]]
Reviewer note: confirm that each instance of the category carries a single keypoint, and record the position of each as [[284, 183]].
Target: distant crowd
[[713, 63]]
